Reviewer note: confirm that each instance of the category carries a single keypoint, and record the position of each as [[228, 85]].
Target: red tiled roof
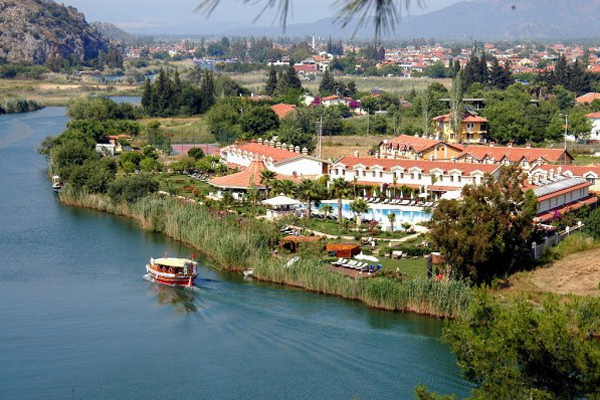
[[418, 144], [267, 151], [283, 109], [329, 98], [247, 178], [587, 98], [306, 68], [391, 185], [388, 164], [514, 154], [443, 188], [467, 118], [594, 115]]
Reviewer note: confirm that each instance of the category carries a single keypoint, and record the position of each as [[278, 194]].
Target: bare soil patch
[[578, 274]]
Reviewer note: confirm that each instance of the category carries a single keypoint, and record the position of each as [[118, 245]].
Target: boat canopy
[[173, 262]]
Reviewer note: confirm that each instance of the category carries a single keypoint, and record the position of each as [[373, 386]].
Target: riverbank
[[234, 243]]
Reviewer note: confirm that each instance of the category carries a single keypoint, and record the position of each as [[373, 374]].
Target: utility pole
[[368, 120], [566, 129], [319, 137]]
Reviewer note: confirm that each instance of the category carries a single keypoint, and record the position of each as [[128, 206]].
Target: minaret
[[314, 46]]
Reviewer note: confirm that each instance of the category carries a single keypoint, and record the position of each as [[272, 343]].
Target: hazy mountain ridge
[[111, 31], [37, 30], [478, 19]]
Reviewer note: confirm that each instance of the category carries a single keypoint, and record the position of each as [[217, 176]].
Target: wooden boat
[[172, 271], [56, 183]]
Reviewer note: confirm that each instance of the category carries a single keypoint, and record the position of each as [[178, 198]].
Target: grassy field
[[586, 160], [184, 130], [59, 93], [255, 81]]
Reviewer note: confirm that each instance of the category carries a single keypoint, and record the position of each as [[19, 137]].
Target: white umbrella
[[365, 257], [423, 195], [452, 195], [412, 195], [281, 201]]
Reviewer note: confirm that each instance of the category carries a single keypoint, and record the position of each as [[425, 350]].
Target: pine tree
[[327, 85], [271, 85], [483, 69], [497, 75], [176, 98], [329, 46], [351, 89]]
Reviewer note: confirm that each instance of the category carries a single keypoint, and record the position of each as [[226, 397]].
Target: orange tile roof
[[594, 115], [388, 164], [283, 109], [328, 98], [418, 144], [467, 118], [248, 177], [587, 98], [267, 151], [515, 154]]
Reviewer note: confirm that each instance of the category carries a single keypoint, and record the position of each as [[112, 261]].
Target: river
[[78, 321]]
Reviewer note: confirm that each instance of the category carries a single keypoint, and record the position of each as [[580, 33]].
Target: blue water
[[78, 321], [380, 213]]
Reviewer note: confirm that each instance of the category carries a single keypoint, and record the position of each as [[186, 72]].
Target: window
[[381, 174], [364, 173], [419, 176], [451, 178], [591, 180], [459, 178], [412, 175], [401, 175], [470, 125], [374, 174]]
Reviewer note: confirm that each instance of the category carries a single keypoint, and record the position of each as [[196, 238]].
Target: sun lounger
[[340, 261], [405, 202], [350, 264]]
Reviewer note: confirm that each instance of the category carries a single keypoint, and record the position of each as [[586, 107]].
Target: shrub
[[131, 188]]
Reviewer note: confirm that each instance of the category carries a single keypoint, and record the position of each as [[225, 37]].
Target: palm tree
[[266, 178], [339, 188], [309, 191], [359, 207], [391, 218], [327, 208]]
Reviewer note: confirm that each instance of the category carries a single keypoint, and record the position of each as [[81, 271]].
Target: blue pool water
[[379, 213]]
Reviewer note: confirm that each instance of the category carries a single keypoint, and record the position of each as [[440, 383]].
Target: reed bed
[[236, 243]]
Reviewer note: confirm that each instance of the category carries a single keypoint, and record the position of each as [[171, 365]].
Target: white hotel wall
[[412, 176], [562, 199], [301, 166]]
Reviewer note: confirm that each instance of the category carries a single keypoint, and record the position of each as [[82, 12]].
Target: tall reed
[[236, 243]]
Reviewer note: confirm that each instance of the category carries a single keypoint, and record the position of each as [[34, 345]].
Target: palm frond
[[383, 13]]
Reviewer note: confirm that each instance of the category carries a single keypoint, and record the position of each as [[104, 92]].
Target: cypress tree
[[497, 75], [207, 91], [147, 95], [327, 85], [271, 85], [483, 69], [291, 79]]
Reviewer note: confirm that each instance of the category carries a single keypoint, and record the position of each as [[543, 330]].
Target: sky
[[177, 16]]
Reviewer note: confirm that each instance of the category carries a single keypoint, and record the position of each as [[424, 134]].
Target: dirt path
[[577, 273]]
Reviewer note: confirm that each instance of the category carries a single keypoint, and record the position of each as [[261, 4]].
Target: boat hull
[[170, 279]]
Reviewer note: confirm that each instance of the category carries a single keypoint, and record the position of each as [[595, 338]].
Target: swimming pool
[[379, 213]]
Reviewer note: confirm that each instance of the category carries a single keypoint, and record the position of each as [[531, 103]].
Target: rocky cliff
[[40, 30]]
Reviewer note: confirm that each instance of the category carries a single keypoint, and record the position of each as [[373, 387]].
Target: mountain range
[[476, 19]]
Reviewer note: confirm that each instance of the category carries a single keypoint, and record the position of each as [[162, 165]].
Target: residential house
[[435, 176], [282, 110], [473, 129], [278, 157], [418, 148], [527, 158], [589, 173], [595, 132], [587, 98]]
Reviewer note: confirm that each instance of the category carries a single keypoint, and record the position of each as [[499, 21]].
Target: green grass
[[574, 243], [181, 184], [411, 267], [184, 130], [586, 160]]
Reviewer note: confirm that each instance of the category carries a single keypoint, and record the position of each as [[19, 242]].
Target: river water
[[78, 321]]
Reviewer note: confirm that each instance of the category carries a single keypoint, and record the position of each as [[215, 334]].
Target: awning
[[452, 195], [442, 188]]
